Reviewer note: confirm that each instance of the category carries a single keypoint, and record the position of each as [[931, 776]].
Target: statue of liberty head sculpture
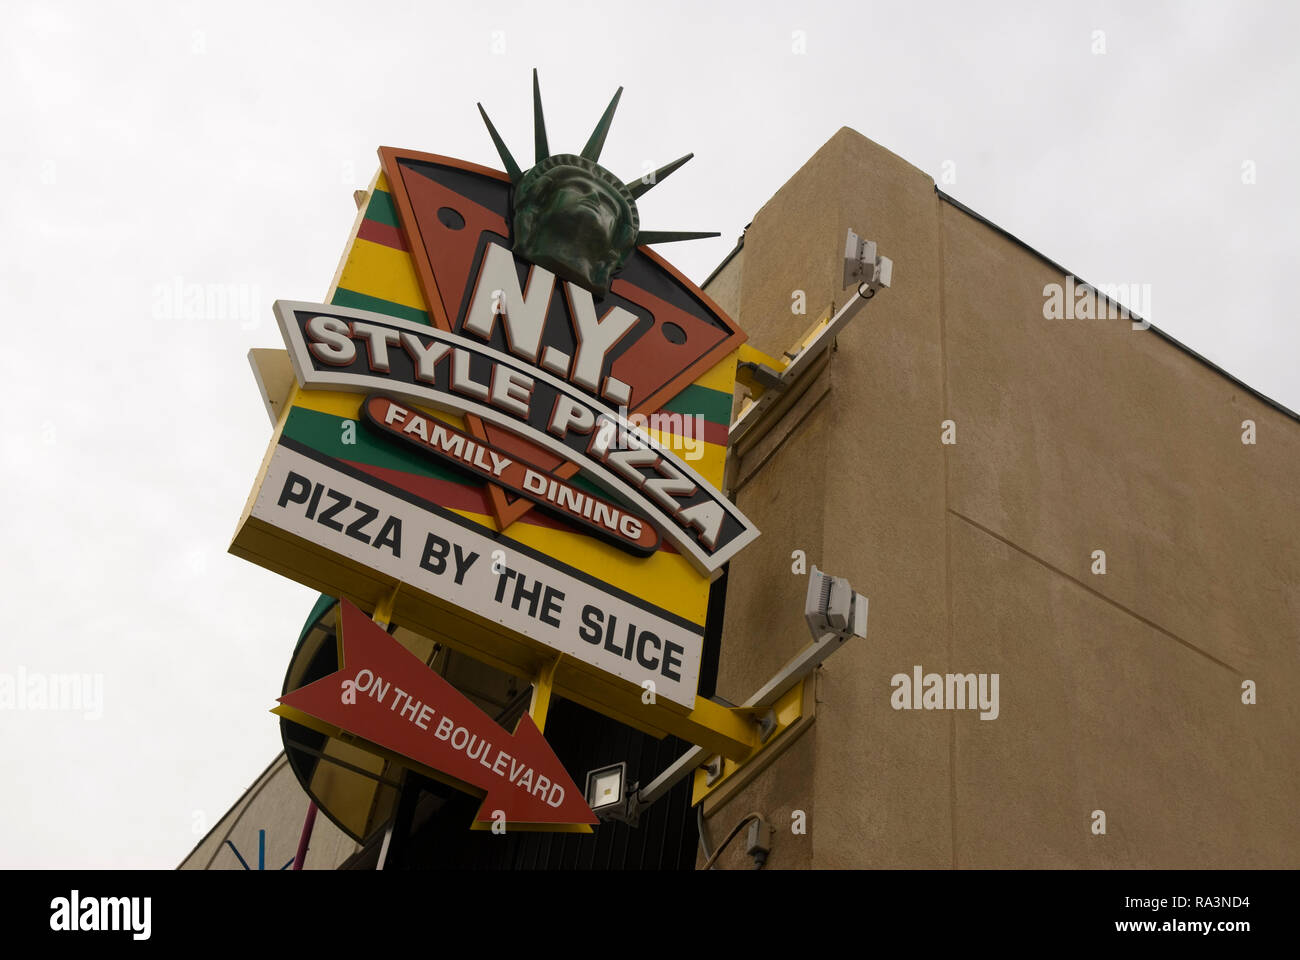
[[571, 215]]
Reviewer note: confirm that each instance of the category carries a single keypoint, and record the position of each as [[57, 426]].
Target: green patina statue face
[[571, 215], [576, 219]]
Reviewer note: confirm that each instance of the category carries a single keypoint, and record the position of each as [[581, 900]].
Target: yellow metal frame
[[795, 712], [751, 354], [542, 687]]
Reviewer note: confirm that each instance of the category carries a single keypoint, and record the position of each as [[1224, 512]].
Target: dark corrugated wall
[[436, 818]]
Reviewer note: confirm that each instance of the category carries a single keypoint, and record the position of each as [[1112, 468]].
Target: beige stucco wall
[[1118, 692], [277, 804]]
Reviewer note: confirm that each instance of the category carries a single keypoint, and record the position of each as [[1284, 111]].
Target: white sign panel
[[563, 609]]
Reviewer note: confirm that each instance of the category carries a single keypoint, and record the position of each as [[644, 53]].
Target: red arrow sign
[[383, 693]]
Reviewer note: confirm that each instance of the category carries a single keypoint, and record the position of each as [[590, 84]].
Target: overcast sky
[[151, 147]]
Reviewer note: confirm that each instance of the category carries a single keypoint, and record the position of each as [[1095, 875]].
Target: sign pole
[[304, 840], [542, 687], [384, 608]]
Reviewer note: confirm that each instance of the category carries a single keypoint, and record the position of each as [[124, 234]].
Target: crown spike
[[597, 142], [640, 186], [512, 168], [539, 123], [671, 236]]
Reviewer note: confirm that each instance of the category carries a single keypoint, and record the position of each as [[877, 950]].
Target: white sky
[[151, 145]]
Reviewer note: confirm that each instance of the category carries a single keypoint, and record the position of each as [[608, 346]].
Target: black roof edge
[[1154, 329], [727, 259]]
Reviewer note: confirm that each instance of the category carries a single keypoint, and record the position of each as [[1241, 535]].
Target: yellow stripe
[[722, 375], [666, 579], [347, 250], [483, 520], [348, 406], [712, 458], [380, 271]]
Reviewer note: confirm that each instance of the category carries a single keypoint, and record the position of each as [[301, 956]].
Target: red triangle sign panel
[[450, 210], [385, 694]]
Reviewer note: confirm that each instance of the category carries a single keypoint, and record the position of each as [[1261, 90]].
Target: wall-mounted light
[[606, 789], [834, 612]]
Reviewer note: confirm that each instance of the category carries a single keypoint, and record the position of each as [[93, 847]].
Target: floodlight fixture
[[871, 273], [834, 612], [862, 266], [605, 788]]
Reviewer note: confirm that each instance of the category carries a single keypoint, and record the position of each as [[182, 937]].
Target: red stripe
[[377, 232], [474, 499], [716, 433]]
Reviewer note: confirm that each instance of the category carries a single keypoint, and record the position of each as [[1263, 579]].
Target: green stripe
[[360, 301], [381, 209], [324, 432], [714, 405], [582, 483]]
